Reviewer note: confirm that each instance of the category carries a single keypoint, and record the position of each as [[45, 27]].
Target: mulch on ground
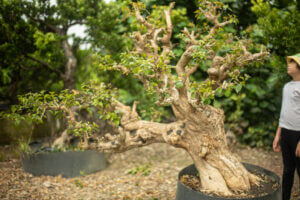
[[146, 173]]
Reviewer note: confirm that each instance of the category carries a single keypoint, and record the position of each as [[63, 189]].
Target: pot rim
[[248, 166]]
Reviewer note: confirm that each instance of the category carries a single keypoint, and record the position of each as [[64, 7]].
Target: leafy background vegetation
[[32, 56]]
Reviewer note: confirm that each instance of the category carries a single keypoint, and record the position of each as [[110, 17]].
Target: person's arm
[[298, 150], [276, 141]]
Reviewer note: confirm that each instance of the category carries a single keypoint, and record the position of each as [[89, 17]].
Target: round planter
[[185, 193], [68, 164]]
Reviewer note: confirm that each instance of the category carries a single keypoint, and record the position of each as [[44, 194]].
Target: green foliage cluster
[[17, 42], [130, 88], [279, 28], [24, 147], [143, 65], [32, 32], [254, 113], [251, 103], [94, 99]]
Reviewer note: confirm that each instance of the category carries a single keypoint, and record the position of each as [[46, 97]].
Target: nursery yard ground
[[148, 173]]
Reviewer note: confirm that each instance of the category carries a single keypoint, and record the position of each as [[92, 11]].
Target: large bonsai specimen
[[199, 127]]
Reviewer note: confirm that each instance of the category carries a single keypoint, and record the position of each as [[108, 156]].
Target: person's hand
[[298, 150], [276, 146]]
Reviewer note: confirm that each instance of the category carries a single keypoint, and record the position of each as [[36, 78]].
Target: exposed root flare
[[211, 179], [61, 141], [235, 174], [254, 180]]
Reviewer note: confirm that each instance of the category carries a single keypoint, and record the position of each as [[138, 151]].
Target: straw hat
[[295, 57]]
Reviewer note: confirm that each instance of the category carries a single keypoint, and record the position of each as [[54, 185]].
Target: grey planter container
[[185, 193], [68, 164]]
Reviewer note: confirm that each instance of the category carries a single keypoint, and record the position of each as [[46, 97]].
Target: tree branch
[[76, 23], [191, 36], [134, 132], [44, 64], [152, 38], [222, 66], [184, 61], [55, 29], [212, 16], [141, 19], [167, 38]]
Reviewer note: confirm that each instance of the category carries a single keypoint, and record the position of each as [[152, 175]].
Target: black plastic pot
[[185, 193], [68, 164]]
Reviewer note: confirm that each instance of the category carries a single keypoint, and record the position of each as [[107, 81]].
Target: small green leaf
[[218, 92], [227, 93], [179, 84], [13, 108], [206, 101], [238, 88]]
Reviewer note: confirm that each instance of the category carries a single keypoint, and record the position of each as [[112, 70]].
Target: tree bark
[[70, 67], [200, 131], [220, 171]]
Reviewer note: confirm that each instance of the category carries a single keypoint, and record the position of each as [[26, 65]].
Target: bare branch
[[166, 39], [53, 28], [184, 61], [222, 66], [191, 36], [151, 38], [134, 132], [149, 44], [122, 69], [154, 40], [212, 16], [190, 71], [141, 19]]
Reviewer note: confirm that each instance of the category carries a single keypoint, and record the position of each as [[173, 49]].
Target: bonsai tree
[[199, 125]]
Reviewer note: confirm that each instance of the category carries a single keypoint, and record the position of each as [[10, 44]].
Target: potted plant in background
[[167, 75], [44, 53], [58, 154], [62, 155]]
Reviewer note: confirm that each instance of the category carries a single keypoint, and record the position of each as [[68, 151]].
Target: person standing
[[287, 138]]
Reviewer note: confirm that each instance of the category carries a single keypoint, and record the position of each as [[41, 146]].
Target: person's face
[[292, 68]]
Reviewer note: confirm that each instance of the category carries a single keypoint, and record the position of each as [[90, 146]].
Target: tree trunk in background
[[70, 68]]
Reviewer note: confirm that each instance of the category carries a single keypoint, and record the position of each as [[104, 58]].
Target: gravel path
[[147, 173]]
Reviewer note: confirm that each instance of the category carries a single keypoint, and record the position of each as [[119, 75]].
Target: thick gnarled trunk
[[220, 171], [200, 131]]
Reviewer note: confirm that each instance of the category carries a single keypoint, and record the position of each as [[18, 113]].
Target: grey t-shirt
[[290, 109]]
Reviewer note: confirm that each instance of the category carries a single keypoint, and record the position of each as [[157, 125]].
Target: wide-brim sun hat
[[295, 57]]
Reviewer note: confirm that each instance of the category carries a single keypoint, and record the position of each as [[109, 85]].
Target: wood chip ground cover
[[148, 173]]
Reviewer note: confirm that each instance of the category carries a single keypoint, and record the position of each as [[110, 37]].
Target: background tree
[[198, 127], [37, 49], [254, 113], [38, 52]]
